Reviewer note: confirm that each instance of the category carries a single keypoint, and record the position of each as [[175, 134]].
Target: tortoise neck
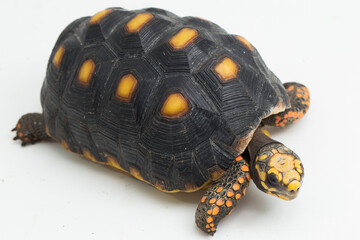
[[258, 141]]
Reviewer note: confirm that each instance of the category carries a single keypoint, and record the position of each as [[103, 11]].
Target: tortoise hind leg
[[222, 196], [31, 128], [299, 100]]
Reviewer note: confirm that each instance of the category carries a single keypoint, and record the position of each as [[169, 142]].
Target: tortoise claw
[[16, 138], [14, 129]]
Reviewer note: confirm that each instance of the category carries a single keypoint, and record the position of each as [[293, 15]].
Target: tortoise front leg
[[31, 128], [222, 196], [299, 104]]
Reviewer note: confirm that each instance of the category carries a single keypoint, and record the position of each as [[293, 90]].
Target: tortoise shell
[[170, 100]]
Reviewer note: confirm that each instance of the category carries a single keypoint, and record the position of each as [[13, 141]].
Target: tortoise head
[[275, 169], [278, 171]]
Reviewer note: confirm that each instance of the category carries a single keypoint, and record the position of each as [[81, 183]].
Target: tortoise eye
[[273, 180]]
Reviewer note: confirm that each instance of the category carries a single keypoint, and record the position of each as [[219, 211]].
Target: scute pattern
[[178, 154]]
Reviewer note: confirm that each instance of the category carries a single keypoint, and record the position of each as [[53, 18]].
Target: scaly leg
[[222, 196], [299, 100], [30, 129]]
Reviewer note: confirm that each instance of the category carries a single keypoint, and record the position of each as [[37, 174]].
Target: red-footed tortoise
[[172, 101]]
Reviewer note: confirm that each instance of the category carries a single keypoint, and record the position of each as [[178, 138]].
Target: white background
[[49, 193]]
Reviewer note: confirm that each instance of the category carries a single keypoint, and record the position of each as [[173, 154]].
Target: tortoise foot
[[30, 129], [220, 199], [299, 100]]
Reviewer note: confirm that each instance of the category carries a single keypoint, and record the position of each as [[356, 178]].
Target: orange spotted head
[[277, 171]]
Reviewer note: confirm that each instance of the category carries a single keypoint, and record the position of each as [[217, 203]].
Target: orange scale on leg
[[241, 180], [228, 203], [215, 211], [220, 202], [236, 187], [209, 219], [230, 193], [245, 168], [244, 191], [277, 119], [290, 88]]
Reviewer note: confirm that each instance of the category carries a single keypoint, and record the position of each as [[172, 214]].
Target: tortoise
[[175, 102]]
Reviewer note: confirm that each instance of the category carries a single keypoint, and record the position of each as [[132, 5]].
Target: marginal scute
[[175, 106], [99, 16], [135, 173], [183, 38], [65, 145], [126, 88], [226, 69], [112, 162], [191, 187], [215, 175], [138, 22], [86, 72], [241, 144], [87, 154], [279, 107]]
